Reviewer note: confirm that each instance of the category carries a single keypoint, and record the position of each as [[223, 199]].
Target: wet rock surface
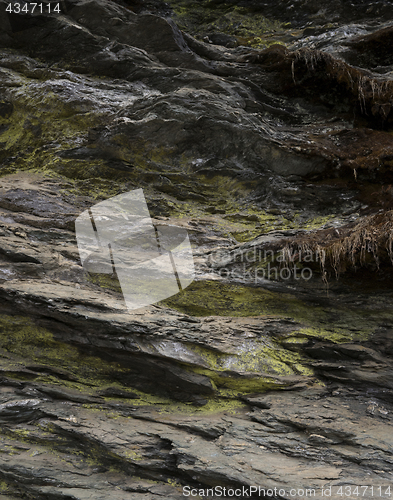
[[275, 161]]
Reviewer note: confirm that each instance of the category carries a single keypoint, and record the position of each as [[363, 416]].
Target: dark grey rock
[[235, 383]]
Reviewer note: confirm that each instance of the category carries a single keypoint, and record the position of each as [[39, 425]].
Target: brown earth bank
[[271, 144]]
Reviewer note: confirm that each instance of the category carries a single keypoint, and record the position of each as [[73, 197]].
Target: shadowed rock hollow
[[267, 135]]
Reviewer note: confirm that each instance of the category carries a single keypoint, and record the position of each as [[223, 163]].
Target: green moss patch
[[57, 364], [254, 356], [21, 337], [205, 17], [206, 298]]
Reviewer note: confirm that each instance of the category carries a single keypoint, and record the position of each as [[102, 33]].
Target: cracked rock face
[[250, 376]]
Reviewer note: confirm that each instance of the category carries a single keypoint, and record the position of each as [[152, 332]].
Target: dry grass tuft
[[368, 244], [319, 72], [374, 95]]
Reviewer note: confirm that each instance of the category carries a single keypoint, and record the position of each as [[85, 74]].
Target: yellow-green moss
[[24, 340], [258, 356], [42, 126], [204, 298], [20, 336], [296, 339], [108, 281], [317, 222], [204, 17], [3, 486], [337, 335], [40, 119]]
